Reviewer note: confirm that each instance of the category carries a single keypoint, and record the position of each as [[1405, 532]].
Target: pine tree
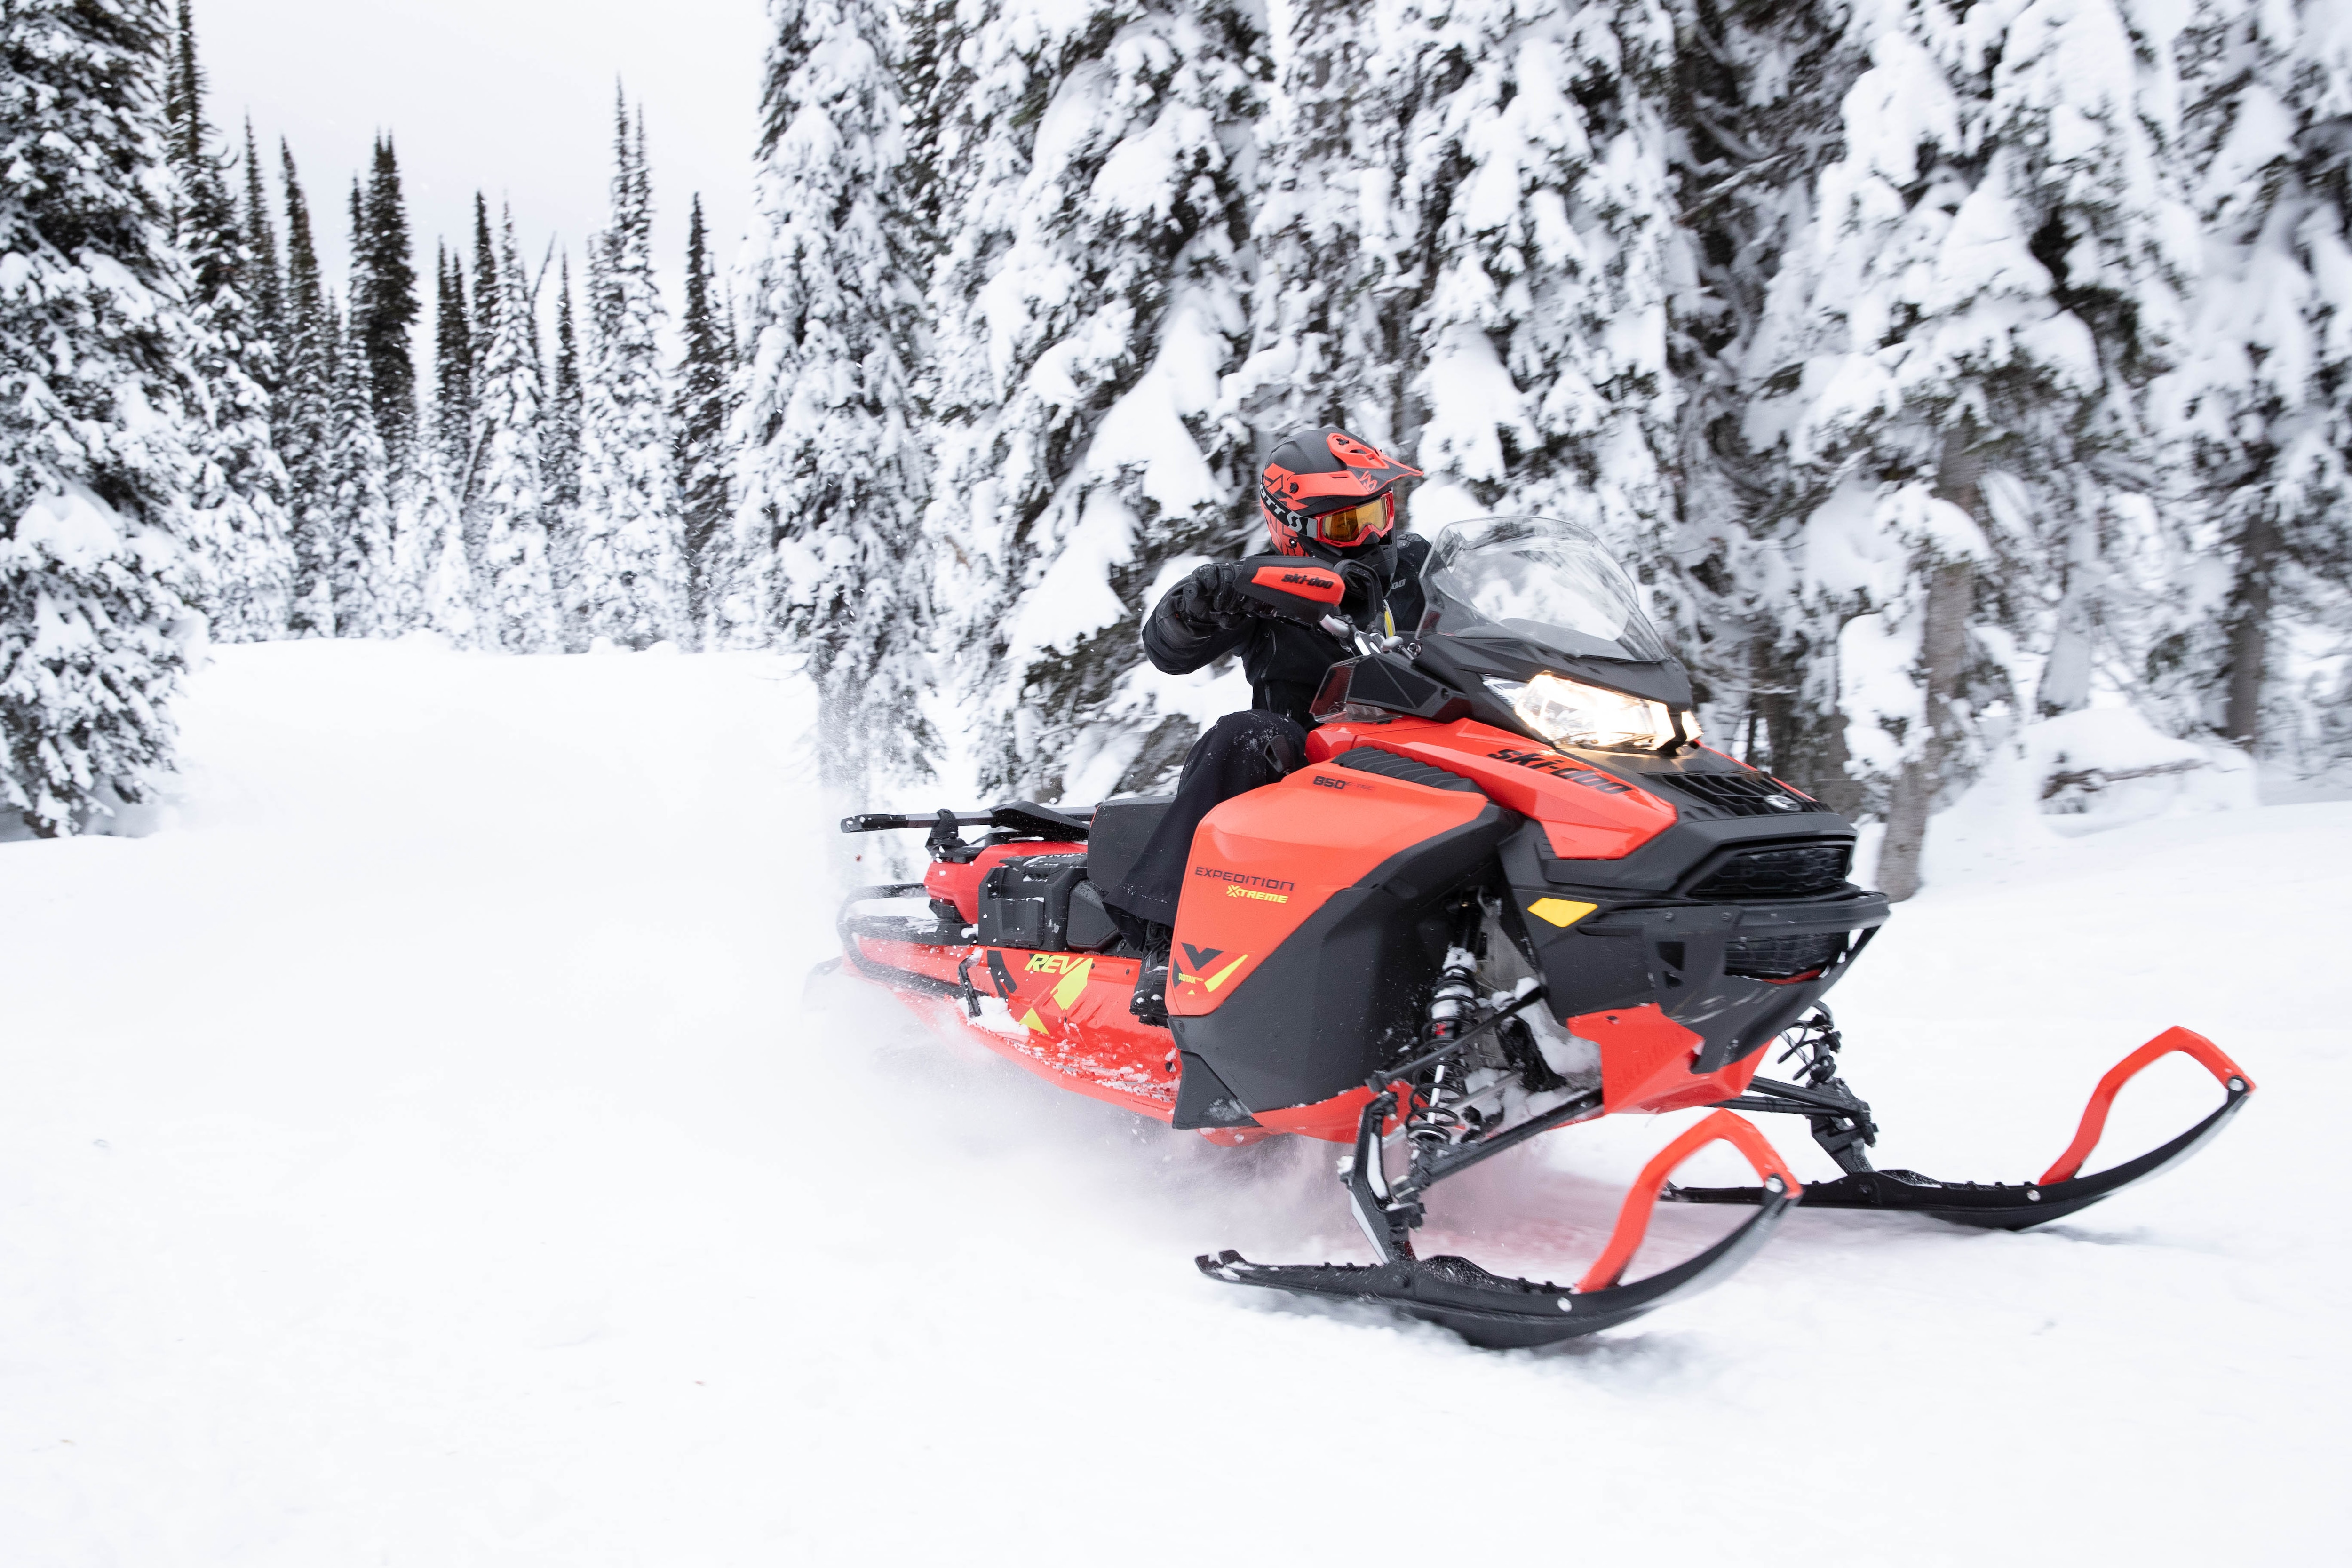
[[94, 400], [559, 459], [487, 292], [699, 427], [453, 367], [383, 302], [1088, 303], [629, 585], [2259, 414], [365, 585], [304, 416], [265, 287], [1330, 333], [238, 502], [1953, 370], [561, 453], [829, 483], [508, 509], [1757, 115]]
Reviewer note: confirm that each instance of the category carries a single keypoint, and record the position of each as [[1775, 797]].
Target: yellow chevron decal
[[1227, 974], [1029, 1020], [1072, 985]]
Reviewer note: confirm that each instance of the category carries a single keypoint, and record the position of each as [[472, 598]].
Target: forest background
[[1943, 371]]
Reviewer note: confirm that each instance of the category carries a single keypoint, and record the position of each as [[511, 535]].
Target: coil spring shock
[[1438, 1116]]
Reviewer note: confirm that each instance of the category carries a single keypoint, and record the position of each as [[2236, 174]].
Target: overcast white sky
[[513, 97]]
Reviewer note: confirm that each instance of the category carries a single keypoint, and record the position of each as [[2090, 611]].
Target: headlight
[[1570, 714]]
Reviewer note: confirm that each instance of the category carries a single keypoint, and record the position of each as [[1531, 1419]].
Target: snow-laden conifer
[[2247, 636], [237, 503], [699, 427], [1331, 328], [1756, 115], [95, 346], [303, 416], [384, 304], [507, 502], [366, 584], [1956, 362], [266, 284], [453, 365], [1535, 238], [830, 476], [629, 584], [1087, 302], [559, 461]]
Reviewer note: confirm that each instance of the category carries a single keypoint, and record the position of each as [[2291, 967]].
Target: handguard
[[1291, 587]]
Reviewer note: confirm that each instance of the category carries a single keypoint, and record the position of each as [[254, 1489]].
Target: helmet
[[1326, 493]]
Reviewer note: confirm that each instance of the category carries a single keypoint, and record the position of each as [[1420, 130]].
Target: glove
[[1211, 597], [1361, 602]]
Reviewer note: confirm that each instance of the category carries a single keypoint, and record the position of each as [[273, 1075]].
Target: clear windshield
[[1540, 579]]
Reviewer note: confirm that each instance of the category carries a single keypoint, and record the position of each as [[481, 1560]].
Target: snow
[[425, 1150]]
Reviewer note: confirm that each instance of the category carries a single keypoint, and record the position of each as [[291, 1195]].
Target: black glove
[[1361, 602], [1210, 597]]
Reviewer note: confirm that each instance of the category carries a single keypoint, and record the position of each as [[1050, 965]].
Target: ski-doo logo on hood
[[1243, 880], [1562, 767]]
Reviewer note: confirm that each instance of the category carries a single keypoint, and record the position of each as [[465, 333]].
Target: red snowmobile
[[1511, 891]]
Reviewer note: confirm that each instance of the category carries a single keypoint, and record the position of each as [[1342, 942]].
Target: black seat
[[1117, 835]]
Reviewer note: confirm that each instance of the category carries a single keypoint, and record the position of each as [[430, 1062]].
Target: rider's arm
[[1197, 621]]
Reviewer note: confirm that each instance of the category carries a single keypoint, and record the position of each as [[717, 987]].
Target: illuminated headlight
[[1570, 714]]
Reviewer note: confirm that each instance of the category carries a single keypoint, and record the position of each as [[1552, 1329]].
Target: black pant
[[1239, 753]]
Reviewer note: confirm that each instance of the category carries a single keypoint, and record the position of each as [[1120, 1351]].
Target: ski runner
[[1324, 494]]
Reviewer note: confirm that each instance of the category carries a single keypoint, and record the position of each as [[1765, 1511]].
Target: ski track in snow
[[429, 1150]]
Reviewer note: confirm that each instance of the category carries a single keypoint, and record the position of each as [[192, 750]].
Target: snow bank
[[2083, 772]]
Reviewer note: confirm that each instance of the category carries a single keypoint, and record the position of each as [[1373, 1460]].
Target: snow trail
[[426, 1149]]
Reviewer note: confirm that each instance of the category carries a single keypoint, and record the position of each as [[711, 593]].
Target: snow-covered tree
[[1756, 116], [266, 285], [94, 411], [830, 467], [629, 581], [2250, 631], [453, 365], [1331, 332], [699, 427], [237, 503], [1093, 185], [366, 590], [303, 418], [508, 503], [1956, 364], [383, 302]]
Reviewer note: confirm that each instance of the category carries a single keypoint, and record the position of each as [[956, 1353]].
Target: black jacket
[[1285, 662]]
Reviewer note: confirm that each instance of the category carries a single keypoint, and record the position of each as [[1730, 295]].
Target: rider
[[1324, 494]]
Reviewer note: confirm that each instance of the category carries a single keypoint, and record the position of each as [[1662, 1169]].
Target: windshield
[[1539, 579]]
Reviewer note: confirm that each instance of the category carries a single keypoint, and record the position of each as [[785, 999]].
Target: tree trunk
[[1943, 647], [2250, 634]]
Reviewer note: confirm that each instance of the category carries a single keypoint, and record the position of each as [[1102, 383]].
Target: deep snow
[[423, 1150]]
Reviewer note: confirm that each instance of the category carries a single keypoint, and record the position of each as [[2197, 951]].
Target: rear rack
[[1018, 816]]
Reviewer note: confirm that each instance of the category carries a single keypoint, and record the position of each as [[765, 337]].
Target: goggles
[[1354, 524]]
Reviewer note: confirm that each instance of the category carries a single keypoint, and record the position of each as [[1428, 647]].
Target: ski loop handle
[[2189, 1043], [1633, 1219]]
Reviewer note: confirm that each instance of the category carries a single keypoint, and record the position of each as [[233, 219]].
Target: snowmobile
[[1513, 890]]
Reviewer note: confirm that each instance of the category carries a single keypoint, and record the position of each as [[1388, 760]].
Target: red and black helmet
[[1323, 487]]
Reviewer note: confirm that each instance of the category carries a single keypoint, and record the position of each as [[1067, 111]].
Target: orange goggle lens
[[1356, 524]]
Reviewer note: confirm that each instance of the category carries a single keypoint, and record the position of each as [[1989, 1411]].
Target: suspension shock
[[1438, 1115]]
